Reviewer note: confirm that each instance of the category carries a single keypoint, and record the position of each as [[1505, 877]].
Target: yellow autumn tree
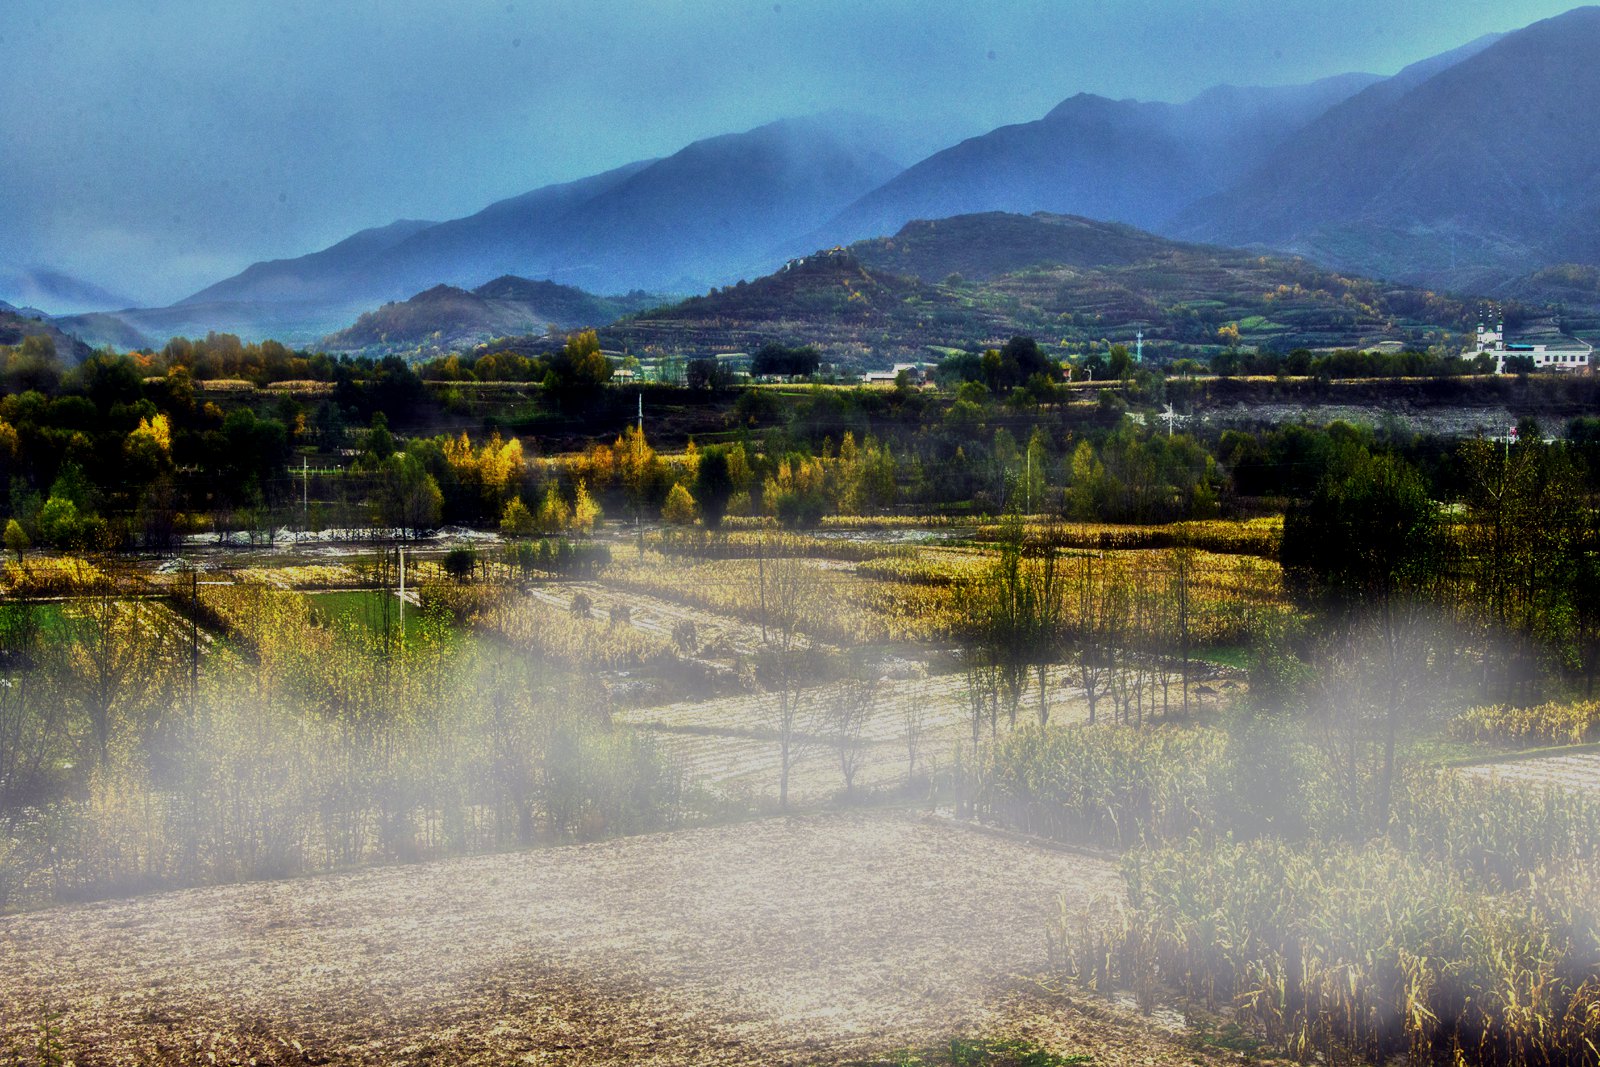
[[500, 467], [598, 467], [149, 446], [156, 430], [491, 473], [862, 477], [637, 466], [554, 514], [516, 520], [585, 512], [796, 493], [679, 509]]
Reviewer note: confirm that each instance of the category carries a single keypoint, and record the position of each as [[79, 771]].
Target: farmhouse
[[914, 373]]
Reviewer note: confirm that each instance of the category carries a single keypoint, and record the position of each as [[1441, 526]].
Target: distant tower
[[1138, 352]]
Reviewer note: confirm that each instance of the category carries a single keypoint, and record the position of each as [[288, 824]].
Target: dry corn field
[[784, 940]]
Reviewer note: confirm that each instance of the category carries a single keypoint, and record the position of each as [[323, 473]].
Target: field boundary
[[1525, 755], [1018, 837]]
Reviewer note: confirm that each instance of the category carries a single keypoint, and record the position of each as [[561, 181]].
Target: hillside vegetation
[[975, 280]]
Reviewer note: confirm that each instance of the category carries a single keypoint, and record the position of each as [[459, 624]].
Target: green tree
[[580, 369], [713, 486], [460, 562], [16, 538], [1368, 549], [60, 523], [377, 443], [407, 497], [1365, 537]]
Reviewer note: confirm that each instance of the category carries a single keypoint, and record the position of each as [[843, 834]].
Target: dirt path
[[787, 939], [1579, 771]]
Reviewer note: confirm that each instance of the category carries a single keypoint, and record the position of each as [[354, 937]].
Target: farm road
[[1580, 771], [798, 939]]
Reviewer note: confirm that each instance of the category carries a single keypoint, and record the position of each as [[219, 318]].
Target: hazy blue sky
[[154, 146]]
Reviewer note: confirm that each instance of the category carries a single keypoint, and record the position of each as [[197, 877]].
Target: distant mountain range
[[18, 324], [1466, 174], [1467, 171], [693, 219], [1121, 160], [56, 290]]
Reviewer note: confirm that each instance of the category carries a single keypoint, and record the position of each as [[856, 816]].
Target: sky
[[155, 146]]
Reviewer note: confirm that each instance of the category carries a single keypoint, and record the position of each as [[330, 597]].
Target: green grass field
[[366, 607]]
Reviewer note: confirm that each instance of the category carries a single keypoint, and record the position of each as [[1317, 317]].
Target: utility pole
[[1027, 489], [761, 581], [194, 639], [402, 551]]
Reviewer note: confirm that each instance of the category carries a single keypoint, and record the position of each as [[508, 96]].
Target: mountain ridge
[[1473, 174], [696, 216], [447, 316], [1077, 158]]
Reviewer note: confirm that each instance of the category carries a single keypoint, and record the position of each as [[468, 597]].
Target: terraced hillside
[[976, 280]]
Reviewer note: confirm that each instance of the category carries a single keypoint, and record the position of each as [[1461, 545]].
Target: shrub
[[460, 562]]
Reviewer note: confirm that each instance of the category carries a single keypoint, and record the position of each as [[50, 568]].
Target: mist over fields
[[1024, 535]]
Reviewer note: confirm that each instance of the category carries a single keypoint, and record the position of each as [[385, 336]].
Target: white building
[[1568, 353]]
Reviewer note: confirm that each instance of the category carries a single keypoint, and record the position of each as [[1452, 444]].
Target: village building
[[1565, 353], [915, 373]]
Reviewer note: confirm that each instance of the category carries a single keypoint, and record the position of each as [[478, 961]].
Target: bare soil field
[[727, 744], [1579, 771], [655, 616], [808, 939], [1459, 421]]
